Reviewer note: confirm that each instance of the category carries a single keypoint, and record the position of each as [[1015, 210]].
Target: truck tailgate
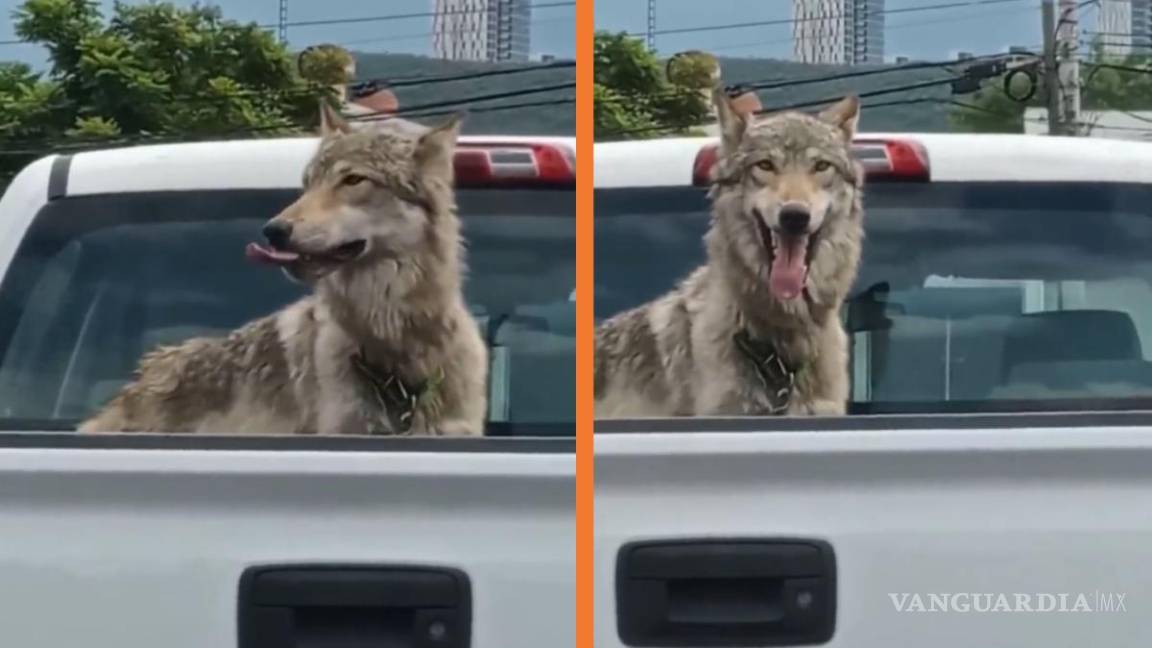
[[971, 506], [138, 542]]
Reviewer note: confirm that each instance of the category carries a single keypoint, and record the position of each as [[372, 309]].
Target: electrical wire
[[792, 21], [382, 82], [887, 28], [922, 65], [368, 19], [422, 110]]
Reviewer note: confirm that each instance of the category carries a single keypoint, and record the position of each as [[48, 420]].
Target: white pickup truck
[[141, 541], [993, 486]]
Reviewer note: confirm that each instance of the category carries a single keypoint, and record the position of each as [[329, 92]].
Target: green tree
[[326, 64], [693, 69], [150, 69], [633, 98]]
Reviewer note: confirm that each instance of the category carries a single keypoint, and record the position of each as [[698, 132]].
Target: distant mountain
[[921, 117], [537, 120], [560, 119]]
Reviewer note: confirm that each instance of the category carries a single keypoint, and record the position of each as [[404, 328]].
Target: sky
[[553, 31], [926, 34]]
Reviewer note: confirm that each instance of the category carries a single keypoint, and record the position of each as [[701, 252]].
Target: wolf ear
[[733, 123], [844, 114], [436, 149], [331, 121]]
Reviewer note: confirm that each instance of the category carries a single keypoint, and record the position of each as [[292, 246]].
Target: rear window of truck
[[99, 280], [972, 297]]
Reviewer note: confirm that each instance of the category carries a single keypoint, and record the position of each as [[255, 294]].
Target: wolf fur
[[681, 354], [395, 310]]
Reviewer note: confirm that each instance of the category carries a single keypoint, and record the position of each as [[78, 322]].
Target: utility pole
[[282, 25], [651, 25], [1067, 49], [1051, 72]]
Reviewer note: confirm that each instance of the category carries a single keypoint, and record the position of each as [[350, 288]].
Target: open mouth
[[279, 257], [789, 254]]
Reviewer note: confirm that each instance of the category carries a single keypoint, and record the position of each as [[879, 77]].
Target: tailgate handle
[[742, 592], [349, 606]]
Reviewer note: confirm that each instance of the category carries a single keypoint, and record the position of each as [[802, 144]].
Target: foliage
[[326, 65], [693, 69], [632, 96], [150, 69]]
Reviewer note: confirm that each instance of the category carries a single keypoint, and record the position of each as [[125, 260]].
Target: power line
[[484, 109], [88, 144], [922, 65], [1109, 33], [863, 95], [425, 35], [476, 98], [827, 100], [794, 106], [1000, 113], [887, 28], [381, 82], [407, 16], [418, 111], [402, 82], [1121, 68], [792, 21], [367, 19]]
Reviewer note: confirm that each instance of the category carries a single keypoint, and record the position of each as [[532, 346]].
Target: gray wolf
[[756, 330], [383, 344]]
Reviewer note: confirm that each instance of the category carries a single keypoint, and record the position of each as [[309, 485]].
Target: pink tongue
[[261, 254], [789, 269]]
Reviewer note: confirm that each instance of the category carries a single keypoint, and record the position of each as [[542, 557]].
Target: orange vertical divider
[[584, 325]]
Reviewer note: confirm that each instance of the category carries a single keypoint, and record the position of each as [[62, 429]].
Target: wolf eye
[[821, 165], [766, 165], [352, 179]]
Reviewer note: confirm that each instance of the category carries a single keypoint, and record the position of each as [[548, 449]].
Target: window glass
[[970, 297], [100, 280]]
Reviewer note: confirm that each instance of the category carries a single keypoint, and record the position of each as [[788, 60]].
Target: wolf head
[[787, 197], [371, 193]]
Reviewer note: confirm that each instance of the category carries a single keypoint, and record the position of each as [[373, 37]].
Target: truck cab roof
[[239, 164]]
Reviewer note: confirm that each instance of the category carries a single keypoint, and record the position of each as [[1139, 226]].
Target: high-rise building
[[1140, 26], [1116, 27], [482, 30], [847, 32], [1124, 28]]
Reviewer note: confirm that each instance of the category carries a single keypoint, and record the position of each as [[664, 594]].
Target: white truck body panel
[[1032, 510], [143, 545], [140, 541], [1032, 504]]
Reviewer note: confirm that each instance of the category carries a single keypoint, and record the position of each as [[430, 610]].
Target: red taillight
[[527, 165], [892, 159], [882, 160], [702, 167]]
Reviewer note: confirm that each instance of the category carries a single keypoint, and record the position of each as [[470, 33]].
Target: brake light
[[892, 159], [902, 160], [526, 165], [702, 167]]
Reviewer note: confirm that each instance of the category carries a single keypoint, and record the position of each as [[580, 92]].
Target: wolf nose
[[794, 219], [278, 233]]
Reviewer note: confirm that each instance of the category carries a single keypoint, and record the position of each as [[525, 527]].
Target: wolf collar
[[397, 399], [778, 379]]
